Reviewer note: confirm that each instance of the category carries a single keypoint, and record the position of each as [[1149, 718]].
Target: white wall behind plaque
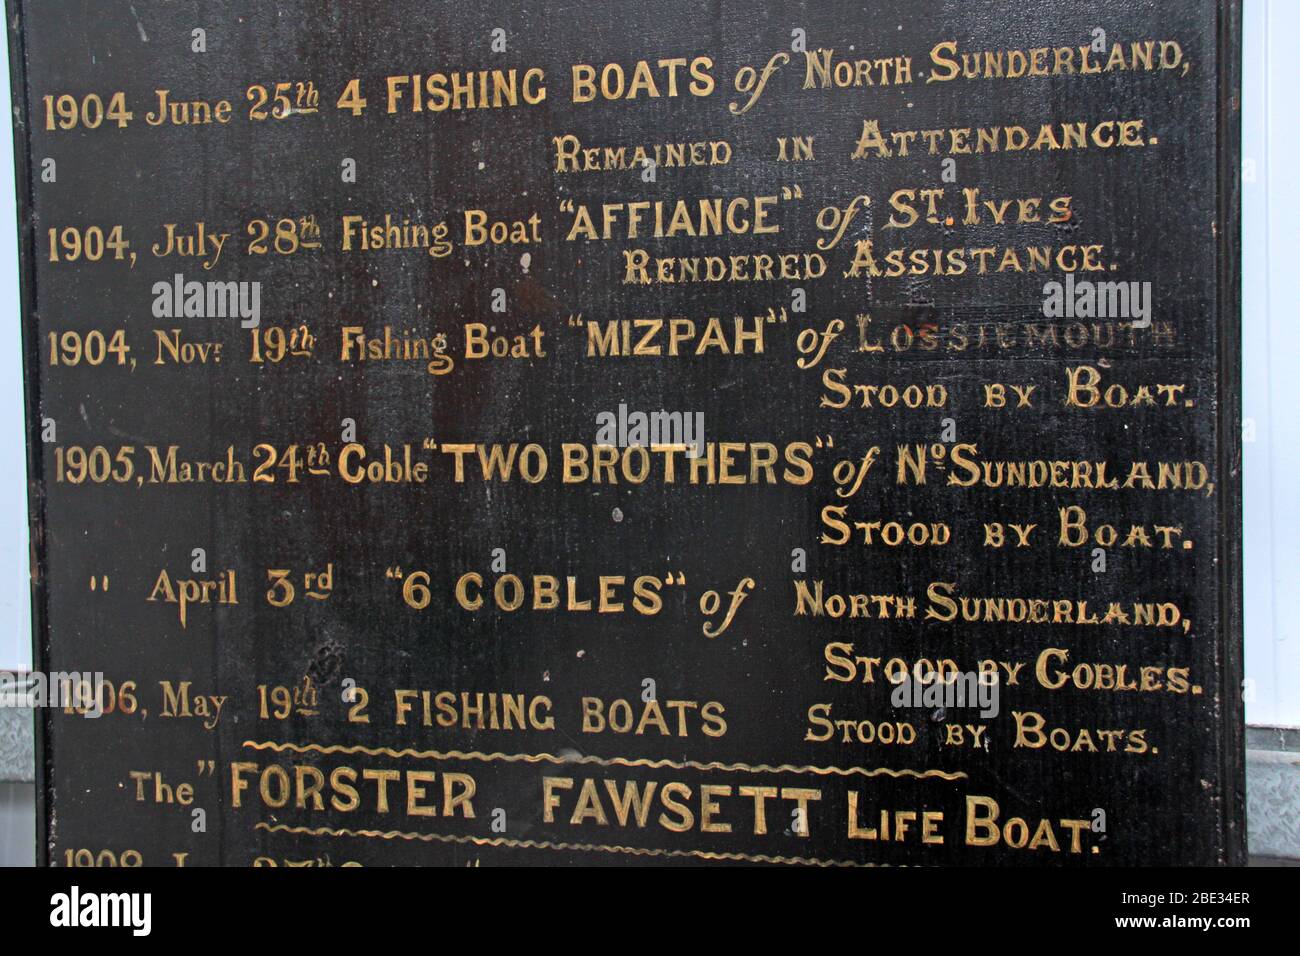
[[1270, 350], [15, 593]]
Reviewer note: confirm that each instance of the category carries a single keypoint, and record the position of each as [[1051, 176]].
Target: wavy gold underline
[[548, 845], [600, 761]]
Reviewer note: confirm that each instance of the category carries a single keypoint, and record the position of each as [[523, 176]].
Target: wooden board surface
[[498, 433]]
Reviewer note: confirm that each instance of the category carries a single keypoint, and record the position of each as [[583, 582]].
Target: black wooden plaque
[[614, 433]]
